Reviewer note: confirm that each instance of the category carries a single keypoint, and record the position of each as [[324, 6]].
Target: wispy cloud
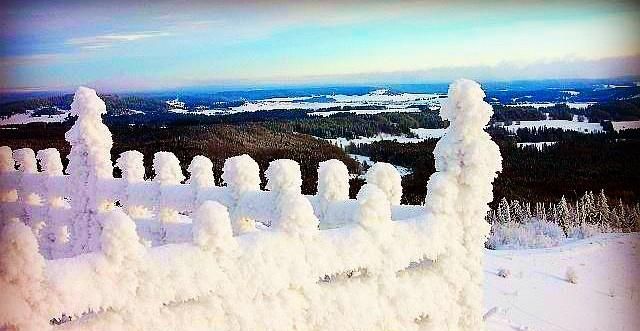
[[30, 59], [107, 40]]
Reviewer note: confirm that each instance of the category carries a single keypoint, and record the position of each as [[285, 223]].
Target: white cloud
[[102, 41], [31, 59]]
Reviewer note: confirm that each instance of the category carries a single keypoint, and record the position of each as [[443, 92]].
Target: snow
[[423, 133], [386, 178], [365, 111], [333, 184], [89, 162], [50, 161], [626, 125], [250, 259], [574, 125], [572, 105], [362, 159], [538, 145], [28, 117], [284, 176], [166, 166], [391, 102], [537, 295], [201, 172]]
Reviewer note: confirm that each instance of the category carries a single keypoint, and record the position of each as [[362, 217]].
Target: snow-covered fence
[[163, 254]]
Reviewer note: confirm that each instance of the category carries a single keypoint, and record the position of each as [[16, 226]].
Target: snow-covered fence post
[[27, 165], [458, 192], [7, 163], [89, 164], [8, 185], [373, 214], [212, 227], [333, 183], [386, 177], [51, 165], [373, 207], [200, 177], [284, 176], [119, 241], [294, 212], [22, 280], [241, 174], [167, 173], [131, 165]]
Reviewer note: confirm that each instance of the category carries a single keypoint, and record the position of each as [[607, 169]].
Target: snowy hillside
[[536, 294]]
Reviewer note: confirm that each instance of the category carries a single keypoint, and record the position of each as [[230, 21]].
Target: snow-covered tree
[[602, 209], [541, 212], [564, 215], [527, 211], [516, 211], [504, 212]]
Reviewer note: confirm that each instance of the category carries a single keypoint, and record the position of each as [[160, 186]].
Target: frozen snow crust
[[189, 255]]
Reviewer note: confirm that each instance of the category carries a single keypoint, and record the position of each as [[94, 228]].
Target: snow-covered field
[[396, 102], [573, 125], [343, 142], [28, 117], [366, 111], [572, 105], [536, 295], [626, 125], [421, 133], [539, 145]]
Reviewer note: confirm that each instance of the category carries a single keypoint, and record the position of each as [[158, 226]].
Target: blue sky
[[160, 44]]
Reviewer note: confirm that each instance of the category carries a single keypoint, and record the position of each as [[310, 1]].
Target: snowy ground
[[395, 102], [573, 125], [421, 133], [626, 125], [539, 145], [572, 105], [28, 117], [537, 296]]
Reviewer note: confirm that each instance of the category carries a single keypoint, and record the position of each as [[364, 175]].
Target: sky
[[145, 45]]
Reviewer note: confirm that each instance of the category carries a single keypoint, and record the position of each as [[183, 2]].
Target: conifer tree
[[504, 213], [517, 214], [564, 216], [602, 210]]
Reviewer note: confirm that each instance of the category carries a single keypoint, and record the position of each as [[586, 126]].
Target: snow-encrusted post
[[241, 174], [131, 165], [458, 192], [333, 184], [168, 173], [22, 280], [51, 165], [89, 164], [294, 212], [386, 177], [200, 177], [212, 227], [374, 210], [8, 182], [119, 241], [284, 176], [27, 166]]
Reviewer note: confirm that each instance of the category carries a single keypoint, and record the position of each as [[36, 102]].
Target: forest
[[576, 163]]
